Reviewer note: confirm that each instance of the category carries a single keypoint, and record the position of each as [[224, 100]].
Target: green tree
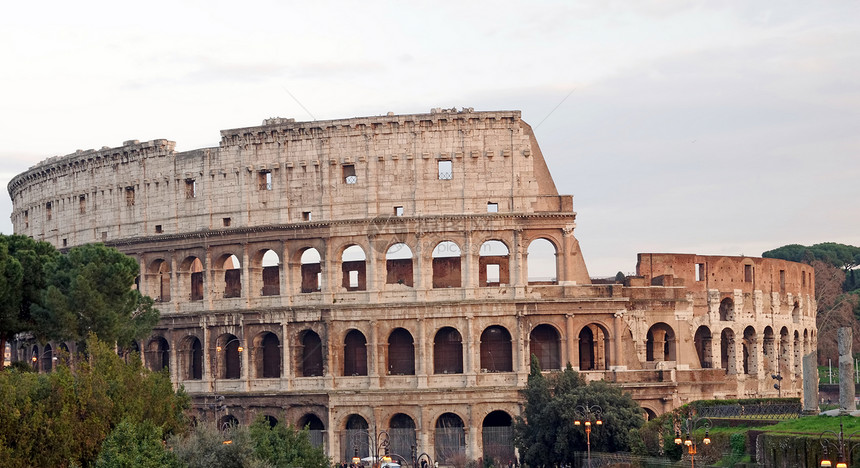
[[546, 434], [132, 445], [22, 280], [205, 447], [285, 446], [841, 256], [90, 290]]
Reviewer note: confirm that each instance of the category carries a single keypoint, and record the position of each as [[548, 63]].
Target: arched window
[[271, 274], [448, 352], [159, 280], [402, 434], [728, 348], [498, 437], [542, 267], [450, 438], [192, 356], [193, 267], [586, 349], [315, 426], [768, 349], [493, 264], [312, 359], [267, 356], [311, 271], [660, 344], [401, 353], [47, 360], [232, 275], [545, 344], [398, 264], [702, 342], [446, 265], [749, 350], [496, 354], [353, 268], [355, 354], [158, 354], [228, 350], [356, 438]]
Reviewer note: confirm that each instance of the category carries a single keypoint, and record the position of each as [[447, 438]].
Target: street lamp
[[423, 461], [689, 426], [38, 357], [838, 445], [584, 416]]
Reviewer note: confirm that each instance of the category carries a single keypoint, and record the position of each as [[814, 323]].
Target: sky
[[718, 128]]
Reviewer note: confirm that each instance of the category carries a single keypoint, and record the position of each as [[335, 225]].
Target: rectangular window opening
[[265, 180], [104, 236], [190, 188], [349, 176], [353, 278], [158, 229], [492, 207], [129, 196], [398, 211], [82, 204], [803, 279], [226, 222], [700, 272], [306, 215], [748, 273], [48, 211], [26, 218], [493, 274], [446, 170], [782, 281], [65, 242]]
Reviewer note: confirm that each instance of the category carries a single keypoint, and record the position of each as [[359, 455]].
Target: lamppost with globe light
[[838, 443], [586, 416], [688, 427]]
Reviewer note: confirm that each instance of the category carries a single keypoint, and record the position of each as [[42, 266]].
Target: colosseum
[[397, 272]]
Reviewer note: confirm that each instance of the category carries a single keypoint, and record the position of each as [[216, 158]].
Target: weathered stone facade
[[382, 272]]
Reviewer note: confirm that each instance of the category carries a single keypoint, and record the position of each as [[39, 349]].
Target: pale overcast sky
[[720, 127]]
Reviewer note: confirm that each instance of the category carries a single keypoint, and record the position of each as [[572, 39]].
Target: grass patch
[[815, 425]]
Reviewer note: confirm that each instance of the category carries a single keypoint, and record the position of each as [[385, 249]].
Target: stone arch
[[266, 355], [158, 280], [315, 426], [228, 359], [191, 274], [191, 358], [446, 265], [450, 438], [354, 268], [727, 310], [448, 351], [398, 265], [493, 264], [265, 272], [593, 356], [158, 354], [401, 352], [649, 413], [497, 437], [46, 359], [310, 354], [542, 264], [496, 350], [227, 421], [270, 420], [702, 341], [355, 353], [728, 351], [749, 351], [402, 435], [545, 344], [310, 270], [228, 274], [356, 437], [661, 343], [784, 352]]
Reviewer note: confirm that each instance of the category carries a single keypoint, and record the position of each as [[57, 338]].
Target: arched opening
[[158, 354], [448, 352], [593, 348], [401, 353], [498, 438], [496, 353], [402, 435], [493, 265], [227, 422], [271, 421], [702, 341], [649, 414], [316, 428], [446, 265], [354, 354], [193, 267], [231, 268], [660, 344], [311, 271], [450, 438], [542, 262], [47, 359], [356, 438], [159, 280], [353, 266], [749, 351], [727, 310], [271, 274], [795, 312], [545, 344], [768, 349], [728, 350], [192, 357], [267, 356], [398, 265], [228, 351], [311, 355]]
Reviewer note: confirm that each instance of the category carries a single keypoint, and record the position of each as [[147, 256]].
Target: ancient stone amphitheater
[[396, 273]]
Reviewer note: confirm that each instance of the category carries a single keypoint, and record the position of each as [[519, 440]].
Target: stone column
[[846, 371], [616, 361], [572, 342], [287, 366]]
